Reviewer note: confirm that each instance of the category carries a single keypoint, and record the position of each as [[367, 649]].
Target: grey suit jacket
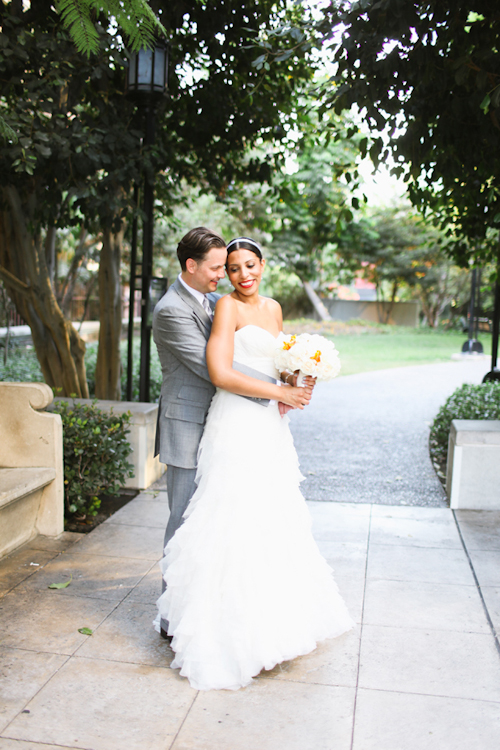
[[181, 329]]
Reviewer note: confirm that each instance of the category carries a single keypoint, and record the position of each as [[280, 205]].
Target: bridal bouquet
[[311, 354]]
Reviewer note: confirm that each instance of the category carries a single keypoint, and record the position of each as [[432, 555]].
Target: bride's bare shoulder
[[273, 305], [226, 312], [273, 310], [225, 303]]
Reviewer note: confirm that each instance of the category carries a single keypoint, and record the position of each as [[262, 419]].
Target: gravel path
[[364, 438]]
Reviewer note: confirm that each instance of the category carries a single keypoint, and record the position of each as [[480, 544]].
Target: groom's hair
[[196, 244]]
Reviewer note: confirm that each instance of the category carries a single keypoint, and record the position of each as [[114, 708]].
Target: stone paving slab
[[106, 705], [421, 670], [23, 674], [268, 715], [435, 606], [408, 721], [46, 622], [95, 576], [148, 512], [479, 529]]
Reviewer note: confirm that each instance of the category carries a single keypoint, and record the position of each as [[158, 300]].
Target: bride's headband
[[244, 243]]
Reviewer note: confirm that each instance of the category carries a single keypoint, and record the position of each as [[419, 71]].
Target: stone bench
[[473, 467], [31, 465], [21, 496], [147, 468]]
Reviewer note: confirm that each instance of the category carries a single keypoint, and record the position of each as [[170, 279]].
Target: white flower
[[310, 353]]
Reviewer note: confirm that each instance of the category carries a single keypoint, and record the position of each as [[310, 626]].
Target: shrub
[[467, 402], [22, 365], [95, 455]]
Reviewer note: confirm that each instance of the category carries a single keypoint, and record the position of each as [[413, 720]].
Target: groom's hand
[[284, 408]]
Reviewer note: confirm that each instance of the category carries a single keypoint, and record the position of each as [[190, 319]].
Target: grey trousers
[[180, 489]]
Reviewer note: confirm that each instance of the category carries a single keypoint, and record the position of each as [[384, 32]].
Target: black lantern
[[146, 83], [147, 72]]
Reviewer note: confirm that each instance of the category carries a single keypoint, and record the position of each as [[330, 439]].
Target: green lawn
[[381, 347], [368, 351]]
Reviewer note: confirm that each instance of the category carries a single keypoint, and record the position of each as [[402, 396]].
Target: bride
[[246, 585]]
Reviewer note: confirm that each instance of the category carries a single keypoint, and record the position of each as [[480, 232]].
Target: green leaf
[[283, 56], [63, 585], [85, 631], [485, 104], [257, 63]]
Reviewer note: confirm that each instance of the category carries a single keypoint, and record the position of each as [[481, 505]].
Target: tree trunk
[[316, 302], [108, 366], [50, 255], [24, 270], [68, 287], [390, 307]]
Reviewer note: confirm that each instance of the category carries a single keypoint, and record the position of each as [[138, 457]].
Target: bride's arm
[[220, 350]]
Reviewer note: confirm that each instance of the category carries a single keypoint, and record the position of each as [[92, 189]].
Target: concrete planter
[[141, 437], [473, 467]]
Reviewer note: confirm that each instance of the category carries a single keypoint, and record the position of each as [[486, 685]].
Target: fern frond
[[139, 23], [76, 16], [135, 18]]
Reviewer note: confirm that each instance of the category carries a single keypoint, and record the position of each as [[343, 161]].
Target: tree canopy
[[427, 73], [79, 146], [425, 77]]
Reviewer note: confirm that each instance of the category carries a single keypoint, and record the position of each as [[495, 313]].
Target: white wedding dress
[[246, 585]]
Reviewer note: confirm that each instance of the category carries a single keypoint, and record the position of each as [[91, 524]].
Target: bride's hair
[[244, 243]]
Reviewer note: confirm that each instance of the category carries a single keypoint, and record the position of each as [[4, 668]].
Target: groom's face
[[206, 274]]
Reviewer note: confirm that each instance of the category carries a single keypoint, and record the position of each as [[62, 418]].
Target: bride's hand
[[297, 398], [290, 378], [308, 382]]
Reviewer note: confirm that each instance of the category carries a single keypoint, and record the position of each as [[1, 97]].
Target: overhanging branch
[[13, 281]]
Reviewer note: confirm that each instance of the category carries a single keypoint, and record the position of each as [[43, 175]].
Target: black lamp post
[[472, 344], [494, 373], [146, 82]]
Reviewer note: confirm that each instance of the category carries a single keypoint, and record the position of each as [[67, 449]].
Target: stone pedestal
[[473, 468], [147, 468], [31, 465]]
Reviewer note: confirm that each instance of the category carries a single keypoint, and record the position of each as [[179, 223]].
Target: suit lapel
[[198, 310]]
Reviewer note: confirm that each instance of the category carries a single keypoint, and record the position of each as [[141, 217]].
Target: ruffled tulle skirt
[[246, 585]]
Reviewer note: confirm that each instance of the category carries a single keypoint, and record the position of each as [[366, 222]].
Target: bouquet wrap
[[311, 354]]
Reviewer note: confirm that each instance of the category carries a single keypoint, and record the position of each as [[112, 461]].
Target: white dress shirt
[[199, 296]]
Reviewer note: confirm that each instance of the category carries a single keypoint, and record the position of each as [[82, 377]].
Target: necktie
[[208, 309]]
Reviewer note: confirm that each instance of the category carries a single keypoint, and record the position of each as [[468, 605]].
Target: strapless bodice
[[255, 347]]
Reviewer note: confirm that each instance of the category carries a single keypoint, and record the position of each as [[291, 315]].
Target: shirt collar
[[199, 296]]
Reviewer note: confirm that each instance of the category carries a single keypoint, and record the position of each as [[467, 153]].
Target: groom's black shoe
[[165, 635]]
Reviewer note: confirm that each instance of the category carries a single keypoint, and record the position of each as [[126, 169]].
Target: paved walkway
[[421, 670]]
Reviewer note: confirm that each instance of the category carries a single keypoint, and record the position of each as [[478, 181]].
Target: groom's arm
[[246, 370], [178, 332]]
